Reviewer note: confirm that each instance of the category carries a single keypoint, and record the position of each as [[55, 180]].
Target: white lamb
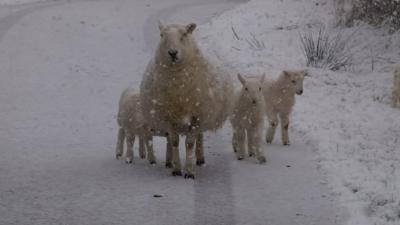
[[396, 88], [131, 124], [248, 118], [279, 98], [182, 94]]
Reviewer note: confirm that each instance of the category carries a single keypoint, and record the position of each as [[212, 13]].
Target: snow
[[345, 116], [18, 2], [63, 68]]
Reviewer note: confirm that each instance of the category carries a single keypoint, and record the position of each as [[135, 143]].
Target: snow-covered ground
[[345, 116], [17, 2], [63, 65]]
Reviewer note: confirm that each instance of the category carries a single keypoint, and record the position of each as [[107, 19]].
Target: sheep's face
[[176, 43], [252, 89], [295, 79]]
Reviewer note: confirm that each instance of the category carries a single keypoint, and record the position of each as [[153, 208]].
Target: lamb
[[279, 98], [131, 124], [396, 88], [182, 94], [248, 118]]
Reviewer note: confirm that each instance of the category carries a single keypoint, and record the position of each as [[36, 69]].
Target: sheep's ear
[[190, 27], [241, 79], [160, 25], [263, 78], [286, 73]]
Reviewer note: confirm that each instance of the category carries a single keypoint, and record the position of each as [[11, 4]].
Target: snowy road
[[63, 65]]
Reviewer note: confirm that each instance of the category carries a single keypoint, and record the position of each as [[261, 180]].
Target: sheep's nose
[[300, 92], [254, 102], [172, 53]]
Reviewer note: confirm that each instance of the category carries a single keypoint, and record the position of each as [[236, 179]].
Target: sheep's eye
[[246, 89], [259, 89], [184, 35], [293, 81], [161, 35]]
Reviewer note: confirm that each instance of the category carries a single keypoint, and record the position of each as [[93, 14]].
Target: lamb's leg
[[254, 142], [285, 128], [199, 150], [395, 99], [120, 143], [130, 141], [190, 141], [142, 149], [149, 147], [240, 137], [173, 138], [273, 123], [168, 155]]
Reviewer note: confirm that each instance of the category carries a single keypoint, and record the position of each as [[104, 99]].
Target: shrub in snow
[[248, 118], [374, 12], [182, 94], [324, 50], [131, 124], [396, 88], [279, 98]]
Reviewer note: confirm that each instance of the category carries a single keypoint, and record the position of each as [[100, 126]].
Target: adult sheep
[[182, 93]]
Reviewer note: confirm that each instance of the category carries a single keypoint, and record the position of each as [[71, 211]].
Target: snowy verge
[[345, 116]]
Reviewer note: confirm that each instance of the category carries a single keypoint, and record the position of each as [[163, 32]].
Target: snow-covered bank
[[346, 116]]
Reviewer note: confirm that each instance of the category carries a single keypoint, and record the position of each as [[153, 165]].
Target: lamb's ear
[[241, 79], [160, 25], [263, 78], [190, 27]]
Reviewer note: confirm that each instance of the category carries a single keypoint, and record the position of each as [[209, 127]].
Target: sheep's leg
[[168, 156], [173, 138], [120, 143], [190, 141], [149, 147], [142, 149], [199, 150], [285, 128], [130, 140], [254, 142], [273, 123], [240, 138], [234, 141]]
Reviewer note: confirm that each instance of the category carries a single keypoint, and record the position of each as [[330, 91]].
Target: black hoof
[[176, 173], [118, 156], [200, 162], [189, 176], [129, 161], [240, 158], [153, 162], [262, 159], [269, 142], [251, 154], [168, 164], [286, 144], [142, 156]]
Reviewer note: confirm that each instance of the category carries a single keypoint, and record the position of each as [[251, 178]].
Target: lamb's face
[[252, 89], [295, 79], [176, 43]]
